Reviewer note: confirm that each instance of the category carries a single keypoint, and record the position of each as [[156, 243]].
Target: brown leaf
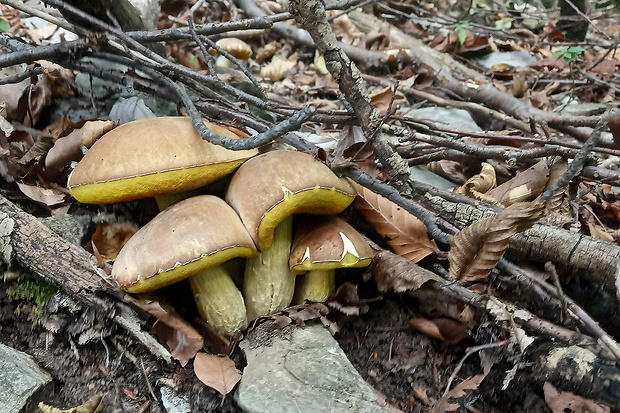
[[181, 339], [451, 170], [444, 329], [217, 372], [560, 402], [405, 233], [278, 68], [110, 238], [353, 147], [346, 31], [475, 250], [382, 99], [558, 208], [393, 272], [346, 300], [266, 52], [46, 196], [482, 182], [460, 390], [92, 405], [524, 186], [614, 128]]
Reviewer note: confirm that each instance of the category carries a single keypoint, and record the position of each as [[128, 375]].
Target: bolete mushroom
[[150, 157], [236, 47], [322, 245], [190, 239], [266, 191]]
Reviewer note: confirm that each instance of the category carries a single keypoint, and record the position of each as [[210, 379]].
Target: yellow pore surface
[[182, 271], [316, 201]]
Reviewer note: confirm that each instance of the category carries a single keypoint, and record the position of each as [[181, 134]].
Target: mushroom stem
[[165, 200], [316, 285], [269, 284], [219, 301]]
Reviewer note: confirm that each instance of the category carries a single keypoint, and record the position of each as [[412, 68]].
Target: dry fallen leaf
[[110, 238], [393, 272], [181, 339], [444, 404], [93, 405], [524, 186], [475, 250], [560, 402], [382, 99], [405, 233], [46, 196], [480, 183], [278, 68], [444, 329], [217, 372]]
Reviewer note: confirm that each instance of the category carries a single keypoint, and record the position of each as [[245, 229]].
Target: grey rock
[[174, 403], [584, 109], [446, 118], [517, 58], [73, 228], [23, 384], [301, 369], [421, 174]]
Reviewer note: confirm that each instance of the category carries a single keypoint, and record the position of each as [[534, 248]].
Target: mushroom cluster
[[194, 237]]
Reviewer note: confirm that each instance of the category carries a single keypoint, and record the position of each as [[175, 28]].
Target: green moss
[[32, 292]]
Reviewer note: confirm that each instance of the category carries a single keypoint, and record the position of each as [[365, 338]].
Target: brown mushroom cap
[[188, 237], [272, 186], [325, 243], [148, 157], [234, 46]]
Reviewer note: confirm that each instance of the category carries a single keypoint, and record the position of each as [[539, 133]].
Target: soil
[[408, 368]]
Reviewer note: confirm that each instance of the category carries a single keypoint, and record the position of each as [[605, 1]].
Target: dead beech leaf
[[480, 183], [560, 402], [217, 372], [266, 52], [181, 339], [524, 186], [278, 68], [346, 31], [444, 329], [405, 233], [110, 238], [393, 272], [444, 404], [476, 249], [382, 99], [558, 208], [46, 196], [92, 405]]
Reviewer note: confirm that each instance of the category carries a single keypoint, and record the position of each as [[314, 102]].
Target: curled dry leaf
[[382, 99], [558, 207], [181, 339], [278, 68], [476, 249], [393, 272], [93, 405], [405, 233], [217, 372], [110, 238], [524, 186], [444, 329], [46, 196], [560, 402], [479, 183], [460, 390]]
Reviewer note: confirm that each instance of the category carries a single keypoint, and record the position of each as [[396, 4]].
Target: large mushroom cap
[[272, 186], [326, 243], [190, 236], [149, 157]]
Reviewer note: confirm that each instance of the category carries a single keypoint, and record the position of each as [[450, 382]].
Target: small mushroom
[[190, 239], [265, 192], [151, 157], [321, 245], [236, 47]]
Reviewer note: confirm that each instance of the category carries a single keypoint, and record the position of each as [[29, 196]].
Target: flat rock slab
[[446, 118], [23, 384], [301, 369]]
